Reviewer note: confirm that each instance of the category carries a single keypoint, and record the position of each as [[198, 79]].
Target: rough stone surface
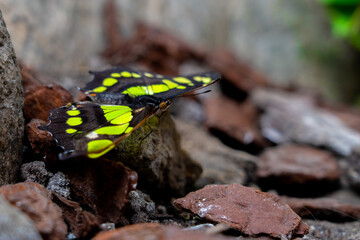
[[234, 123], [323, 208], [349, 115], [291, 118], [221, 164], [345, 195], [14, 224], [107, 226], [34, 200], [102, 185], [81, 222], [35, 172], [42, 146], [41, 100], [154, 231], [351, 171], [11, 115], [248, 210], [295, 166], [154, 152], [333, 231], [59, 184], [29, 78], [140, 207]]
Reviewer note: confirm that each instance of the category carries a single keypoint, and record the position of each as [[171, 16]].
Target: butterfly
[[121, 100]]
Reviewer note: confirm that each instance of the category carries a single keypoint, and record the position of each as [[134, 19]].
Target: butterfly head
[[164, 105]]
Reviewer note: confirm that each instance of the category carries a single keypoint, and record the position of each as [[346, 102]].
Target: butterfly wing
[[92, 129], [181, 85], [125, 81]]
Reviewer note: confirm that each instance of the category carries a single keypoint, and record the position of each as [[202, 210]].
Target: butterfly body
[[121, 101]]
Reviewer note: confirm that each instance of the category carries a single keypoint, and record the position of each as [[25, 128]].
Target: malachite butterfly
[[121, 100]]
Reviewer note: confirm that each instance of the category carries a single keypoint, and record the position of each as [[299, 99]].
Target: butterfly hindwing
[[92, 129], [122, 80]]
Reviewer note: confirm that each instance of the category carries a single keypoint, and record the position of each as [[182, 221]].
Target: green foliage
[[345, 19]]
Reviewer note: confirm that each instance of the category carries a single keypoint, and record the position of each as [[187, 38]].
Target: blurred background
[[314, 44]]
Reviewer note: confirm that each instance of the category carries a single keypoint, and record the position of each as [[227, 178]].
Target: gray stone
[[107, 226], [14, 224], [35, 172], [11, 115], [60, 184], [141, 207], [221, 164], [351, 171], [292, 118], [333, 231]]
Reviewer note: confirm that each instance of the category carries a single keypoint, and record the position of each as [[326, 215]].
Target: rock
[[11, 114], [35, 172], [346, 196], [238, 77], [14, 224], [333, 231], [323, 208], [82, 223], [29, 81], [107, 226], [248, 210], [140, 207], [348, 115], [59, 184], [221, 164], [234, 123], [39, 101], [291, 118], [34, 200], [154, 152], [32, 79], [351, 171], [205, 227], [298, 169], [42, 146], [102, 185], [154, 231]]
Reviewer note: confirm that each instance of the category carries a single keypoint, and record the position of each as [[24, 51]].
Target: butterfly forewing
[[121, 80]]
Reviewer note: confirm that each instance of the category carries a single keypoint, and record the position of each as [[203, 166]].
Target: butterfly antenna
[[192, 94]]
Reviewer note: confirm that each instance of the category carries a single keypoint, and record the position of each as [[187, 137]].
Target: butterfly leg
[[147, 135]]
